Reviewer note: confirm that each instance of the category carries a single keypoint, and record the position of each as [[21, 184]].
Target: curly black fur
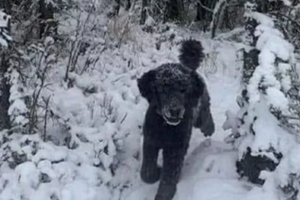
[[191, 54], [178, 100]]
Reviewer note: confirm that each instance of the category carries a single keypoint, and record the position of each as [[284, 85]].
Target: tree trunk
[[48, 25], [128, 5], [205, 9], [4, 93], [144, 12], [199, 15], [4, 86], [117, 7], [174, 10], [250, 57]]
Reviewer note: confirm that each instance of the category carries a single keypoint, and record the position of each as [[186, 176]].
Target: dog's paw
[[208, 129], [150, 176], [166, 192]]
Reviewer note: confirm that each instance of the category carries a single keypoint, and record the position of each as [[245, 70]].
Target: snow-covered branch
[[5, 38]]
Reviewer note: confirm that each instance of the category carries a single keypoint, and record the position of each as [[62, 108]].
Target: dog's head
[[171, 89]]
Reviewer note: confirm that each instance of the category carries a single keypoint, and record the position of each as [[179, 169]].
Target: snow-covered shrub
[[68, 138], [263, 138], [121, 29], [34, 169], [76, 149], [82, 30], [27, 77]]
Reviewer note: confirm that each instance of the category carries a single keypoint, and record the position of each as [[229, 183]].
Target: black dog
[[178, 100]]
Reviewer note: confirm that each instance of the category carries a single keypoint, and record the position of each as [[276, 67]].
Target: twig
[[125, 116], [46, 116], [287, 17], [206, 8]]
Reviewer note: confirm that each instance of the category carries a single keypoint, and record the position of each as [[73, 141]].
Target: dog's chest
[[175, 134]]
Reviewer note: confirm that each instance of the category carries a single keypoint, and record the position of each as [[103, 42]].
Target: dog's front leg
[[206, 122], [150, 172], [204, 119], [172, 163]]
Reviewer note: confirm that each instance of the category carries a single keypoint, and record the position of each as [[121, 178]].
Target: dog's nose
[[174, 112]]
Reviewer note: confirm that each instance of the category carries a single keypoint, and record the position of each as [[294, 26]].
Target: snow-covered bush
[[71, 151], [33, 169], [67, 137], [262, 130], [82, 32], [27, 76]]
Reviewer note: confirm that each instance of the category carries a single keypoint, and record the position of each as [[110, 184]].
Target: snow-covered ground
[[104, 128]]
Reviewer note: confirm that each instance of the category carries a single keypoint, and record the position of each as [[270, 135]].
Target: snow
[[59, 175], [277, 99], [71, 174], [287, 2], [272, 45], [3, 42], [3, 19], [96, 120], [273, 40], [210, 163], [289, 165], [268, 132], [92, 144], [261, 18], [4, 37]]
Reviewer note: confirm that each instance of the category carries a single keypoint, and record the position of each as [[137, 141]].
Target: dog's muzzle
[[173, 116]]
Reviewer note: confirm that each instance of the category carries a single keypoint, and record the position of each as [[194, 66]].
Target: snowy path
[[209, 170]]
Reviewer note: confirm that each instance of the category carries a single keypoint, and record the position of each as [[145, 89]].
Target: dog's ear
[[198, 87], [146, 85]]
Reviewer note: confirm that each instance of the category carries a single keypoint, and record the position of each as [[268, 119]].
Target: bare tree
[[144, 11]]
